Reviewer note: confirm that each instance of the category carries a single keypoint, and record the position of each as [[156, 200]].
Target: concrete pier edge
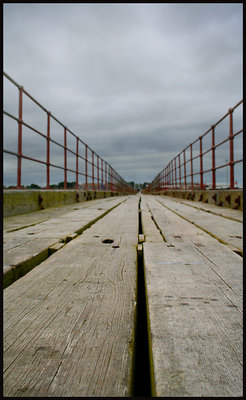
[[23, 201], [223, 197]]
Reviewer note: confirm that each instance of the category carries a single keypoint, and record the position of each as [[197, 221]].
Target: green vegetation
[[33, 186], [72, 185]]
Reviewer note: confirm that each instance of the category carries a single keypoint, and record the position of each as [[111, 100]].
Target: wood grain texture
[[18, 222], [34, 234], [230, 213], [181, 233], [227, 230], [69, 323], [194, 296]]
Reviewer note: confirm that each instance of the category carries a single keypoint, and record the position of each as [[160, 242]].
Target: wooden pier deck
[[194, 295], [71, 296]]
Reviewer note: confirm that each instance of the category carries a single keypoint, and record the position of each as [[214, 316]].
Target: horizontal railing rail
[[102, 175], [175, 176]]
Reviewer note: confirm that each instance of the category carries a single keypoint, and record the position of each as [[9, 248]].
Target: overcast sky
[[137, 82]]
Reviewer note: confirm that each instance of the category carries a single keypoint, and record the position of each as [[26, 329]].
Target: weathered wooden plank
[[23, 246], [225, 212], [151, 233], [226, 230], [69, 323], [194, 297], [195, 330], [18, 222], [180, 233]]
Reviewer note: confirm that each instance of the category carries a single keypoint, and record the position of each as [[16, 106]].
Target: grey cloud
[[132, 80]]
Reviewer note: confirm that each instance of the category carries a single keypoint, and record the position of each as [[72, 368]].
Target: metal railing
[[174, 175], [101, 177]]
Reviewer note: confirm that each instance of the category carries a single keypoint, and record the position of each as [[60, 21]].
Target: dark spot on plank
[[41, 348], [108, 241]]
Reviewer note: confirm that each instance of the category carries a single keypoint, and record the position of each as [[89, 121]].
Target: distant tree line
[[60, 185], [72, 185]]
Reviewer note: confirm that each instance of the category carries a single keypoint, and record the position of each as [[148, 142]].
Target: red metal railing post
[[102, 172], [92, 153], [48, 152], [106, 182], [172, 172], [98, 183], [167, 177], [179, 173], [86, 174], [65, 158], [231, 150], [77, 163], [201, 165], [213, 159], [20, 137], [175, 169], [111, 178], [185, 171], [112, 187], [170, 175], [191, 167], [112, 171]]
